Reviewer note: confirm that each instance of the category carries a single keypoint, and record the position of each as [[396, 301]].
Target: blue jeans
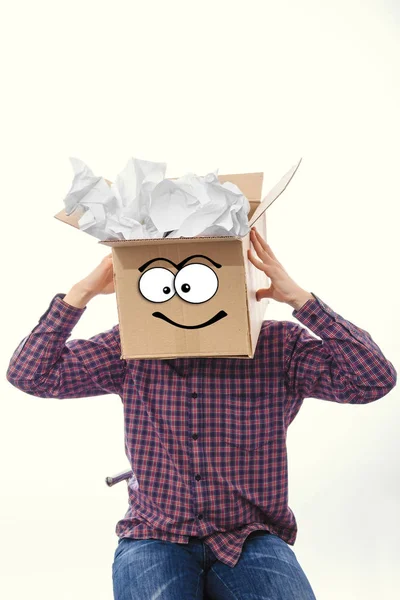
[[161, 570]]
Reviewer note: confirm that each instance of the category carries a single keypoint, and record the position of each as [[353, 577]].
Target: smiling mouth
[[214, 319]]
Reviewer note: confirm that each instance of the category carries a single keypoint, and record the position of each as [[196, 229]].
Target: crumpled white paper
[[142, 203]]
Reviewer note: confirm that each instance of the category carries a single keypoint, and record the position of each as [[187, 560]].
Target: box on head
[[191, 296]]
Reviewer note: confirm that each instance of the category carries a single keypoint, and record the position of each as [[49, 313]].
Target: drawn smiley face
[[194, 283]]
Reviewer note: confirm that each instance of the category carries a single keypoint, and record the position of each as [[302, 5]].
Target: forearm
[[47, 365], [41, 349], [345, 365], [78, 297], [301, 298]]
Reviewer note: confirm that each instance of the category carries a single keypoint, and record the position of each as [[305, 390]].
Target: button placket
[[195, 436]]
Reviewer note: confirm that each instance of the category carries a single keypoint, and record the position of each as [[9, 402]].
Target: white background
[[239, 86]]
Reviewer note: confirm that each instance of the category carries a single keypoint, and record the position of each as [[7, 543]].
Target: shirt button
[[198, 477], [195, 436], [194, 395], [200, 516], [56, 313]]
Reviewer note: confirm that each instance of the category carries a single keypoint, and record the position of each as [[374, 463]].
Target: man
[[206, 438]]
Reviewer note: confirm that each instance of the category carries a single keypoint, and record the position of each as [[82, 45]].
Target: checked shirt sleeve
[[344, 366], [46, 365]]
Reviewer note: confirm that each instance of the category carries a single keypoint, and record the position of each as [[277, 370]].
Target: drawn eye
[[196, 283], [157, 284]]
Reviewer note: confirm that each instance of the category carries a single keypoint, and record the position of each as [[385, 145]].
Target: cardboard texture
[[191, 297]]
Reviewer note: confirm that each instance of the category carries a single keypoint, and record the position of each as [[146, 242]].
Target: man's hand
[[99, 281], [283, 288]]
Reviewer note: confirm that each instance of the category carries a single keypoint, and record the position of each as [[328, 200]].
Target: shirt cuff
[[315, 314], [61, 315]]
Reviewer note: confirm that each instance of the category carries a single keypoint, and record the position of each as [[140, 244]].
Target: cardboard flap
[[273, 194], [71, 219], [250, 184]]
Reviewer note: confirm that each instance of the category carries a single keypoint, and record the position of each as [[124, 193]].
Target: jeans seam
[[198, 582], [223, 583]]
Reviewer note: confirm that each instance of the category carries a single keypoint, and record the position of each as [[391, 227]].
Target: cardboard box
[[191, 297]]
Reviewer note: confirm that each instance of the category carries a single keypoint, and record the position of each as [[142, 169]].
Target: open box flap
[[274, 193]]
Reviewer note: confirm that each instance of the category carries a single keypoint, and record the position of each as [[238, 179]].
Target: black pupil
[[185, 287], [166, 290]]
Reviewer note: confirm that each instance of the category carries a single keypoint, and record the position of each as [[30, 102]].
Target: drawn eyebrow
[[179, 265]]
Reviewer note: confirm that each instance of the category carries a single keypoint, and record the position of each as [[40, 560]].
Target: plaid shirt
[[206, 437]]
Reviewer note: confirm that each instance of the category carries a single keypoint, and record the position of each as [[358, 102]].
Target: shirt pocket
[[249, 426]]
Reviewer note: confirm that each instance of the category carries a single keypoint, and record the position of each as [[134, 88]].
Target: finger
[[266, 247], [257, 263], [258, 247], [263, 243], [264, 293]]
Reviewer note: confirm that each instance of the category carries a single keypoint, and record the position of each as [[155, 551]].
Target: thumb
[[264, 293]]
